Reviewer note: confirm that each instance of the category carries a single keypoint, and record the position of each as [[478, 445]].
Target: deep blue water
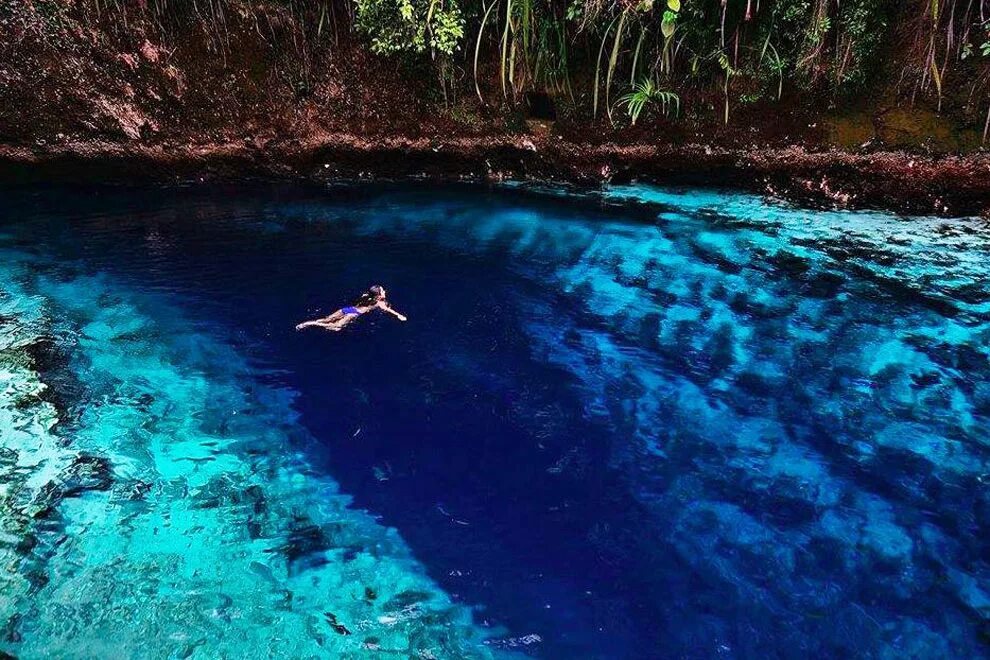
[[636, 425]]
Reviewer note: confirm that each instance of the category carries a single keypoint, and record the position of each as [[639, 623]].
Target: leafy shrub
[[646, 92], [410, 26]]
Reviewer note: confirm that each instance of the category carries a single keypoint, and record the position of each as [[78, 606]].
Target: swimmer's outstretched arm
[[388, 308]]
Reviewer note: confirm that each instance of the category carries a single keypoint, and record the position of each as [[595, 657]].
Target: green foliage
[[410, 26], [638, 13], [728, 71], [646, 92], [533, 45], [641, 50], [669, 23], [827, 43], [863, 26], [771, 60]]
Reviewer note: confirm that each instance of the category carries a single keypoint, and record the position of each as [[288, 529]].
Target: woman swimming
[[373, 298]]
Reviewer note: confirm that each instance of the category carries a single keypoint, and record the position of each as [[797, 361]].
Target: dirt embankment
[[895, 180], [83, 100]]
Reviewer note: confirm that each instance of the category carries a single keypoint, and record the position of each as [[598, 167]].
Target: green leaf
[[667, 28]]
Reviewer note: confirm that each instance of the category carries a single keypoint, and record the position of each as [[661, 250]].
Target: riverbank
[[99, 96], [897, 180]]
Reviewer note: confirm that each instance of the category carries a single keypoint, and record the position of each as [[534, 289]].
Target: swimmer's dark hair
[[370, 297]]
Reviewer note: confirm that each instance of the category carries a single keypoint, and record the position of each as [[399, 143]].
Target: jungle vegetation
[[620, 59]]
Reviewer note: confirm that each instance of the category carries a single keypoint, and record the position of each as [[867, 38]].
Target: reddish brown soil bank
[[895, 180]]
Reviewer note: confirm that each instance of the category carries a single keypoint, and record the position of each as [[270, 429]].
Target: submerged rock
[[406, 599], [337, 627], [303, 540], [85, 473]]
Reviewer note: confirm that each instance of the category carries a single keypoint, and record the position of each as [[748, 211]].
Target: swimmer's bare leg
[[323, 322], [340, 323], [337, 325]]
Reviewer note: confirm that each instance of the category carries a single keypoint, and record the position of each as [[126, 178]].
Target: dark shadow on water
[[447, 427], [482, 459]]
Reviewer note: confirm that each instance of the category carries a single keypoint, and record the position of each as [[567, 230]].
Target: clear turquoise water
[[644, 423]]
